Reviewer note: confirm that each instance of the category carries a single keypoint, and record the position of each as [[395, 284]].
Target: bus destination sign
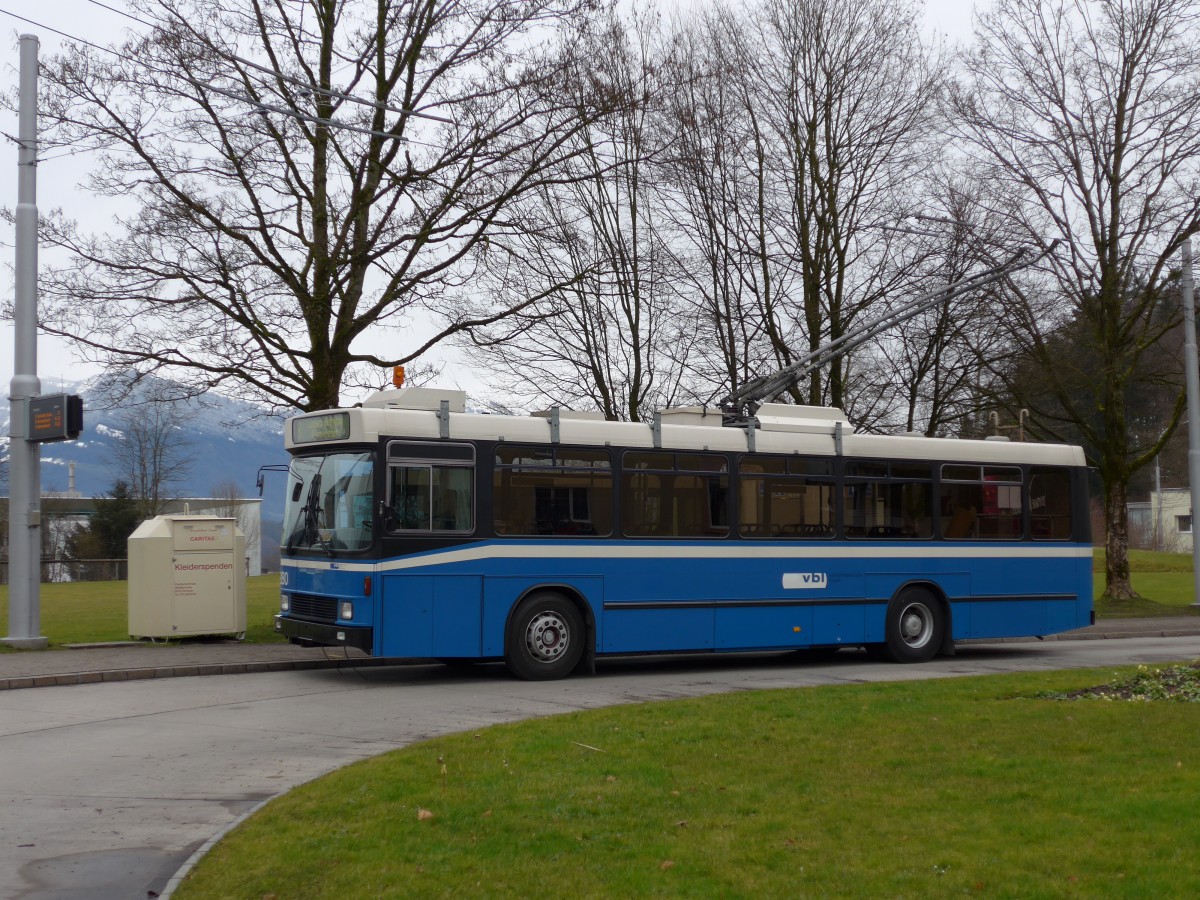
[[55, 417], [327, 427]]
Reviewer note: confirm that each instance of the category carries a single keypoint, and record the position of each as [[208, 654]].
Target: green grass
[[98, 611], [1164, 581], [1148, 561], [935, 788]]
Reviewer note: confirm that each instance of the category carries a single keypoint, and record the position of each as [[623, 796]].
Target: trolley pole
[[25, 456], [1192, 370]]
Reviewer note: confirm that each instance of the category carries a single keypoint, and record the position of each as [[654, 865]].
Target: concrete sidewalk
[[125, 662]]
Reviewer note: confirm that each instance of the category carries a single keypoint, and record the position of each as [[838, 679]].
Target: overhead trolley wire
[[69, 37]]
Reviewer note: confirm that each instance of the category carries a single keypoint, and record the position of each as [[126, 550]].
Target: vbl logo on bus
[[805, 580]]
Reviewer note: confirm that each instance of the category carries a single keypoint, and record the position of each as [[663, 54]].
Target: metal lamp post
[[24, 473], [1192, 371]]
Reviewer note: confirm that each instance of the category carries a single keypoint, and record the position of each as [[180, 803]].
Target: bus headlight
[[283, 603], [347, 610]]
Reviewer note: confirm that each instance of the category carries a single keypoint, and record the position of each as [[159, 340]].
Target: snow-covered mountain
[[227, 440]]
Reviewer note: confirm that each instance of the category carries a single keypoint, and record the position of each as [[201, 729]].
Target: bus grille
[[306, 606]]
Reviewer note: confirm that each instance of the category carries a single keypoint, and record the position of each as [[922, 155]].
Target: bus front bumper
[[320, 634]]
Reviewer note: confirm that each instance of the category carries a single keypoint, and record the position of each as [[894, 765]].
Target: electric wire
[[69, 37], [121, 12]]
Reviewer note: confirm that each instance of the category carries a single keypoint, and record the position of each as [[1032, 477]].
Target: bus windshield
[[329, 502]]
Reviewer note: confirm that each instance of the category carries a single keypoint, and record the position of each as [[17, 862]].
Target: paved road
[[108, 788]]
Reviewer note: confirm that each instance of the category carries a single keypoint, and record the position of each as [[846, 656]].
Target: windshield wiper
[[308, 533], [312, 516]]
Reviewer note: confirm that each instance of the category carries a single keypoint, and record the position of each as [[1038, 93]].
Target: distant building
[[1140, 524], [1164, 522]]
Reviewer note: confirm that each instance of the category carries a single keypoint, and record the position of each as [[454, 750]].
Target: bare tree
[[152, 454], [602, 336], [939, 362], [1090, 111], [719, 206], [306, 175], [851, 93], [227, 494]]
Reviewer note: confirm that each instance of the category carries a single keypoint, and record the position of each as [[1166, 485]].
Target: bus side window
[[445, 510], [410, 497], [888, 500], [1050, 504], [788, 497], [431, 498], [674, 495], [561, 491], [980, 502]]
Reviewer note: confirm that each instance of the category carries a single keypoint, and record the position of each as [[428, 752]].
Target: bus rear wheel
[[545, 637], [915, 627]]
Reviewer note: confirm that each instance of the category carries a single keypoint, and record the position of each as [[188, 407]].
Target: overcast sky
[[58, 174]]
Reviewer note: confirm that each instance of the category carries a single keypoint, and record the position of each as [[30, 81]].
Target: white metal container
[[187, 577]]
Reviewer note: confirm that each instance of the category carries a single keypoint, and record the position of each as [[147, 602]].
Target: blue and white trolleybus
[[415, 529]]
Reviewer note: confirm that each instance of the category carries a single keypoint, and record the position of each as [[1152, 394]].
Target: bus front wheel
[[915, 627], [545, 637]]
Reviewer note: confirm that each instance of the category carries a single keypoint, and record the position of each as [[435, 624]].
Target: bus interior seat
[[962, 523]]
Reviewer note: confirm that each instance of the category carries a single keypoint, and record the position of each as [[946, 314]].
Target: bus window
[[888, 500], [431, 497], [980, 502], [785, 497], [674, 495], [1050, 504], [544, 491], [410, 496]]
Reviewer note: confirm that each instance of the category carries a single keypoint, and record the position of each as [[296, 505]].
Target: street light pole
[[25, 456], [1192, 373]]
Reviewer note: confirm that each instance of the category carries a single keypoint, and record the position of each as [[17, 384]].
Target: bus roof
[[431, 414]]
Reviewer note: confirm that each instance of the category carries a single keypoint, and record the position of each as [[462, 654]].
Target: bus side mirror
[[261, 480]]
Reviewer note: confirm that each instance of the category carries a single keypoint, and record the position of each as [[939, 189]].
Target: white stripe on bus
[[666, 551]]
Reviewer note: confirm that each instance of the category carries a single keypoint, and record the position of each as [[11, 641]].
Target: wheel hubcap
[[547, 637], [916, 625]]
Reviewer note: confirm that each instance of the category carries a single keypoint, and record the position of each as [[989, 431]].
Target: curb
[[203, 850], [1106, 636], [1088, 636], [139, 674]]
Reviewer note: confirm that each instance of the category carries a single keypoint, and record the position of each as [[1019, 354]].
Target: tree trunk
[[1116, 561]]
